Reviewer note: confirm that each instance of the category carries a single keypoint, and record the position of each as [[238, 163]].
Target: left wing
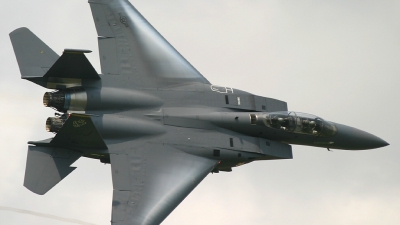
[[129, 45], [151, 180]]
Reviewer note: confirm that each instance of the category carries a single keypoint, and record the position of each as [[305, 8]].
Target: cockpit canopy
[[301, 123]]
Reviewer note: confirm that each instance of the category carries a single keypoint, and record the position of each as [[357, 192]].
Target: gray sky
[[339, 60]]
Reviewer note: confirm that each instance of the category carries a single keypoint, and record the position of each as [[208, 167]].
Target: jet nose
[[354, 139]]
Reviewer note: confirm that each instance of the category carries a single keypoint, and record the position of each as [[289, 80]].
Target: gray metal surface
[[73, 64], [141, 51], [33, 56], [79, 132], [150, 181], [46, 166]]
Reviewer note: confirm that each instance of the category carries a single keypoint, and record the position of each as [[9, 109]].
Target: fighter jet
[[158, 121]]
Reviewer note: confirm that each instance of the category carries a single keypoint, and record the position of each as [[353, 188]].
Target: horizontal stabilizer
[[73, 64], [34, 57], [79, 132], [40, 64], [46, 166]]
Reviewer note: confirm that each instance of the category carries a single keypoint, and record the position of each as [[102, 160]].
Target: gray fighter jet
[[154, 117]]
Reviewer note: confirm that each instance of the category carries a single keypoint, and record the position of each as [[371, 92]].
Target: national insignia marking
[[123, 20], [79, 123]]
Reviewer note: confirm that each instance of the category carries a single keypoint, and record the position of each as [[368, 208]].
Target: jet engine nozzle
[[54, 124], [71, 99], [54, 100]]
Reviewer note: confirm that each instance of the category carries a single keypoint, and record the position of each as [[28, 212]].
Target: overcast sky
[[339, 60]]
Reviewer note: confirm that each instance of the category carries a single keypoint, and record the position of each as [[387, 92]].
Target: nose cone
[[351, 138]]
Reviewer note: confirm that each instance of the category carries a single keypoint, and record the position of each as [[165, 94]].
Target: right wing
[[151, 180], [130, 46]]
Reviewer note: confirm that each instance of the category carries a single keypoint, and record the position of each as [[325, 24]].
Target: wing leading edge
[[150, 181], [129, 45]]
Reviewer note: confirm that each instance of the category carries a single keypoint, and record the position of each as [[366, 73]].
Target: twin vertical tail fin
[[34, 57], [46, 166], [40, 64], [49, 161]]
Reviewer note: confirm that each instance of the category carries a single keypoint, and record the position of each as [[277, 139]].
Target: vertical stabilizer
[[34, 57], [46, 166]]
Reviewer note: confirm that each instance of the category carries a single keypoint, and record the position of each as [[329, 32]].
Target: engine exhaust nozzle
[[54, 124]]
